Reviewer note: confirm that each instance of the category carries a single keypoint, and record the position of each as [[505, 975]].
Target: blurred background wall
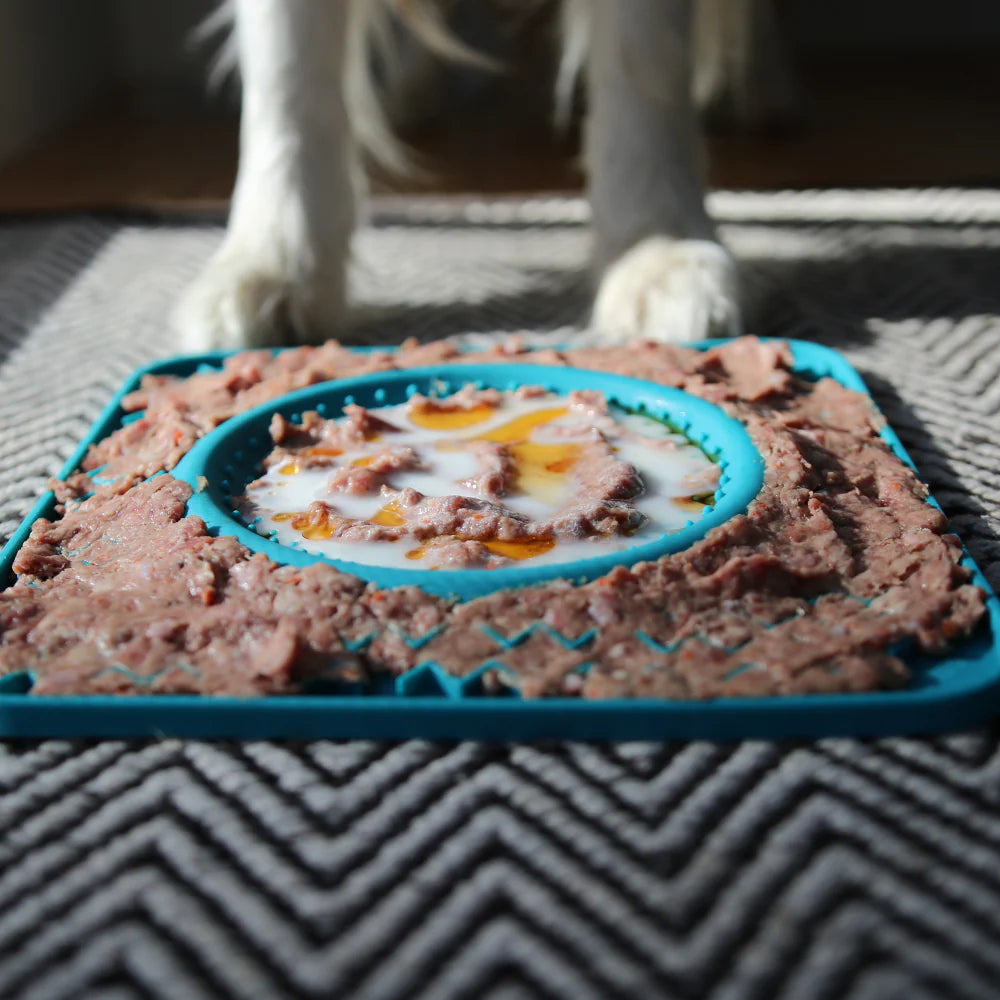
[[123, 63], [55, 60]]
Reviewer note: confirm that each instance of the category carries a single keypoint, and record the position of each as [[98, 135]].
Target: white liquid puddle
[[672, 470]]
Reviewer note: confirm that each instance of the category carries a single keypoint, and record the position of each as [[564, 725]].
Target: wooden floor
[[868, 124]]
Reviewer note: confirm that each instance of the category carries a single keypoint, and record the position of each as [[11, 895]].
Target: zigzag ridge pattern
[[300, 870]]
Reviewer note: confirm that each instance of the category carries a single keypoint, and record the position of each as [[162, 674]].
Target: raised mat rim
[[960, 690], [704, 423]]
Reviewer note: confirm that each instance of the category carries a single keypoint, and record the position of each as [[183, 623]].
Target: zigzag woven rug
[[837, 869]]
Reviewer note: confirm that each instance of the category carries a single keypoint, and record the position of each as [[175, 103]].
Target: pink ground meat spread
[[836, 564]]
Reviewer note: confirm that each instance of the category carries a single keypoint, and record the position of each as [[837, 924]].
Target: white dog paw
[[668, 290], [241, 300]]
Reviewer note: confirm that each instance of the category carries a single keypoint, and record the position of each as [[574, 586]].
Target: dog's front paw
[[668, 290], [245, 300]]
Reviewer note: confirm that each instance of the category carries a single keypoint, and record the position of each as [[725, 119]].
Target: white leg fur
[[664, 274], [279, 273], [668, 289], [742, 76]]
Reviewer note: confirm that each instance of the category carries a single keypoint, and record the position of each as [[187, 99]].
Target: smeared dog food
[[836, 566]]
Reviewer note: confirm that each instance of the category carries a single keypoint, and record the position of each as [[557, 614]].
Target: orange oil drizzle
[[314, 526], [520, 428], [290, 469], [448, 417], [542, 468], [318, 532], [519, 548], [388, 516]]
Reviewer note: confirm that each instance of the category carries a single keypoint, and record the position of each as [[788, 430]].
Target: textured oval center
[[478, 479]]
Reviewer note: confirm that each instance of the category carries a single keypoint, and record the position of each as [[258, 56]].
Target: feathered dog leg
[[664, 274], [279, 273]]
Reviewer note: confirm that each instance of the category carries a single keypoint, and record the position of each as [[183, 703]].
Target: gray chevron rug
[[829, 870]]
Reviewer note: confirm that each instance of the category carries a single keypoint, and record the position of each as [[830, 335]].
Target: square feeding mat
[[958, 688]]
